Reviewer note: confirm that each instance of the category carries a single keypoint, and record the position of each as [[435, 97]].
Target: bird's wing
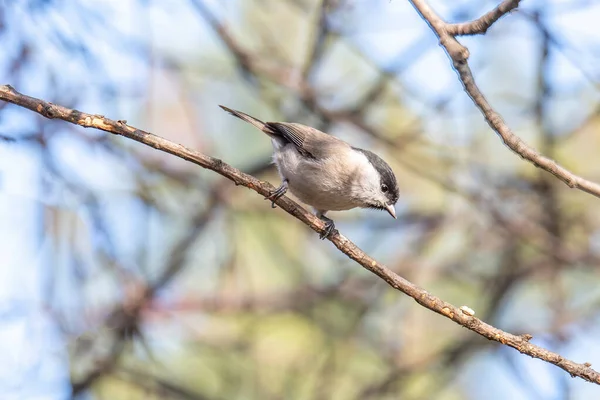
[[309, 141]]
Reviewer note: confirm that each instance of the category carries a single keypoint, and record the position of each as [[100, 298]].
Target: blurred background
[[126, 273]]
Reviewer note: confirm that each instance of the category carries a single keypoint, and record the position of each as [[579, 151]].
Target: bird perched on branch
[[325, 172]]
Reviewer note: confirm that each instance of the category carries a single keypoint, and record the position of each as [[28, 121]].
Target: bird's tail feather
[[251, 120]]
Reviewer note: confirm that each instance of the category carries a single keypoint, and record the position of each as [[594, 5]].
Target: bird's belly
[[321, 197], [311, 185]]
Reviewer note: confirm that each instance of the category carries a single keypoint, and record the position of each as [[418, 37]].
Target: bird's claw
[[329, 228], [277, 193]]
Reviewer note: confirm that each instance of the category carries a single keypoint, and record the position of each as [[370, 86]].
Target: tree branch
[[480, 25], [421, 296], [459, 55]]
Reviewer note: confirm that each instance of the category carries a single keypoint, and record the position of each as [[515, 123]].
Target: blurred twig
[[157, 384], [125, 318], [480, 25]]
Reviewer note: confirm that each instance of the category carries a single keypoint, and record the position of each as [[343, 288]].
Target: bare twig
[[480, 25], [459, 55], [421, 296]]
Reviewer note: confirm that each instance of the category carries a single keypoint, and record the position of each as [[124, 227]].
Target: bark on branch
[[459, 55], [421, 296], [480, 25]]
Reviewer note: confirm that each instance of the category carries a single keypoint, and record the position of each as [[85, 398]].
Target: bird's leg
[[277, 193], [329, 226]]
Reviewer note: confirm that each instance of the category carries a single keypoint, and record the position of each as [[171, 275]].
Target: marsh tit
[[325, 172]]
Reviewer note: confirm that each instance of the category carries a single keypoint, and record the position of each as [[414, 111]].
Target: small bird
[[325, 172]]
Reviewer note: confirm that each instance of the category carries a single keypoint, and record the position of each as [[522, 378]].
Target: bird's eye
[[384, 188]]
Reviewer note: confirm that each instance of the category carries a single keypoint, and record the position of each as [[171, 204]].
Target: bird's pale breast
[[322, 184]]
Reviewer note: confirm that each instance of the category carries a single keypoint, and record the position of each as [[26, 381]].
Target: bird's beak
[[390, 208]]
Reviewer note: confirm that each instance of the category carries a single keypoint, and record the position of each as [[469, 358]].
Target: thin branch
[[459, 55], [421, 296], [480, 25]]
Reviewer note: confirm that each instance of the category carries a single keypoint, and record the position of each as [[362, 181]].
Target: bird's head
[[375, 184]]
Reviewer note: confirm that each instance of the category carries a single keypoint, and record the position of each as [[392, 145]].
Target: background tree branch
[[459, 55]]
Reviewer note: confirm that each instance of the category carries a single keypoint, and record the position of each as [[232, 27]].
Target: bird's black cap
[[386, 175]]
